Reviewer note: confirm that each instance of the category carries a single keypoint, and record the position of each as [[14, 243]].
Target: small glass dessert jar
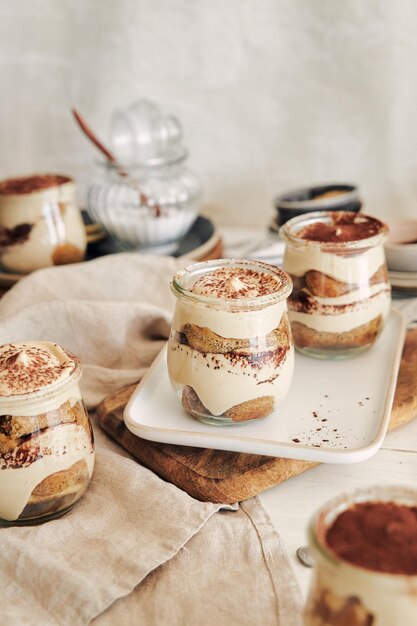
[[46, 440], [364, 546], [230, 352], [341, 294], [40, 223]]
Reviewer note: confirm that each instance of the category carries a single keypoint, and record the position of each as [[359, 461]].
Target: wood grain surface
[[219, 476]]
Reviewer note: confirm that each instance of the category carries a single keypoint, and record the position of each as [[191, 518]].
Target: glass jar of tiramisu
[[40, 223], [341, 294], [46, 440], [230, 352], [364, 546]]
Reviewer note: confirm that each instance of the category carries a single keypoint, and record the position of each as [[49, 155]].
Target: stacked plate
[[401, 253], [404, 284]]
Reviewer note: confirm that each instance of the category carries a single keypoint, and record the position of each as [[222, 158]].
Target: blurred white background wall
[[272, 94]]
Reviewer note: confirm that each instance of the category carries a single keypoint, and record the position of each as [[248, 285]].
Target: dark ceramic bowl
[[330, 197]]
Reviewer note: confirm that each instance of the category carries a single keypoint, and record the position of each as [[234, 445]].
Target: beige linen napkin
[[136, 550]]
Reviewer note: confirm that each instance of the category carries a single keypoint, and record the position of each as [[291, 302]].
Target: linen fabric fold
[[136, 549]]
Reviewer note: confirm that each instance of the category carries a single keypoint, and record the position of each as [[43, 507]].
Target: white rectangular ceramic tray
[[335, 411]]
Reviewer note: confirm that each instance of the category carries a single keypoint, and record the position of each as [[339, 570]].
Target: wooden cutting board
[[218, 476]]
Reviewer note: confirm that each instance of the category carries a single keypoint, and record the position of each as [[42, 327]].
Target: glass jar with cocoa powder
[[341, 294], [40, 223], [230, 352], [46, 440], [364, 545]]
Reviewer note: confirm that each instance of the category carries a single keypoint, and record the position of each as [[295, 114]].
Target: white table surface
[[292, 504]]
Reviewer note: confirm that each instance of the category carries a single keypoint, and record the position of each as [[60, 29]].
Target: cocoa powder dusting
[[29, 184], [302, 300], [258, 360], [344, 227], [16, 235], [235, 283], [380, 536], [26, 367], [21, 457]]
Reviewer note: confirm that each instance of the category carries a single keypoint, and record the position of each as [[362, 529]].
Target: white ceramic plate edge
[[219, 438]]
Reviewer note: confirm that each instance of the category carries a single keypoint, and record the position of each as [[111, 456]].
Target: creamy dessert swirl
[[25, 368]]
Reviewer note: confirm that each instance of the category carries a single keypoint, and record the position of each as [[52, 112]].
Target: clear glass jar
[[40, 223], [117, 202], [230, 353], [46, 439], [345, 594], [150, 198], [341, 294]]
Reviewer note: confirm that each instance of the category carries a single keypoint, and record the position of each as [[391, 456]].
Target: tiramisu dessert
[[341, 294], [46, 440], [40, 224], [365, 554], [230, 353]]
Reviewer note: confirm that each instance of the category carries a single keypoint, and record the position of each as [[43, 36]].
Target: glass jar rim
[[154, 163], [325, 516], [55, 192], [53, 182], [325, 216], [257, 302], [48, 392]]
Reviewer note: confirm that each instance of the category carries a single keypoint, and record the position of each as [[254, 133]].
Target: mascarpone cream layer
[[347, 581], [230, 324], [356, 268], [56, 229], [350, 318], [62, 446], [230, 384], [71, 394]]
